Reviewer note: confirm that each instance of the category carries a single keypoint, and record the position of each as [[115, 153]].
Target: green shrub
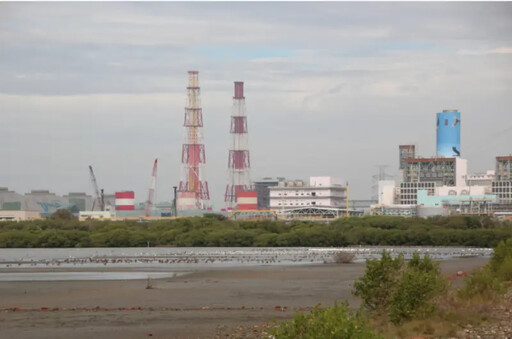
[[400, 291], [504, 271], [482, 284], [413, 296], [330, 322], [501, 261], [379, 279]]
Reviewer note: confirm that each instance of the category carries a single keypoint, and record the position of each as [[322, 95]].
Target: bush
[[481, 284], [501, 261], [379, 279], [330, 322], [488, 282], [400, 291], [414, 294]]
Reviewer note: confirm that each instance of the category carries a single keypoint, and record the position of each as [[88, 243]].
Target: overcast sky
[[331, 88]]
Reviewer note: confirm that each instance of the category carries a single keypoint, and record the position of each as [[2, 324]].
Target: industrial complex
[[441, 185], [422, 186]]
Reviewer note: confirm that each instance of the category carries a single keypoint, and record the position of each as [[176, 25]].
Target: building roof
[[429, 159]]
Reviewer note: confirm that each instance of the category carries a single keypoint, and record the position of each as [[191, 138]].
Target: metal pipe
[[175, 201]]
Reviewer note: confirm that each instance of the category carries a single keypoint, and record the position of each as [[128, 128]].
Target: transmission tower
[[239, 163], [193, 158]]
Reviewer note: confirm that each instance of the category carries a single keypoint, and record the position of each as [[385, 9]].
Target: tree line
[[216, 231]]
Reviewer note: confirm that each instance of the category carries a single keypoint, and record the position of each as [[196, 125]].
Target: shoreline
[[195, 305]]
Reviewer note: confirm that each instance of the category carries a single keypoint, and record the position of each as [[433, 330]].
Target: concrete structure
[[405, 152], [125, 201], [46, 202], [193, 156], [10, 200], [394, 210], [453, 199], [262, 188], [247, 200], [110, 201], [6, 215], [504, 167], [502, 185], [503, 190], [448, 134], [425, 212], [387, 192], [408, 191], [84, 215], [442, 171], [360, 205], [239, 162], [481, 179], [81, 200], [186, 201], [321, 191]]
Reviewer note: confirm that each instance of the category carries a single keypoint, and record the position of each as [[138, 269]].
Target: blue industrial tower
[[448, 134]]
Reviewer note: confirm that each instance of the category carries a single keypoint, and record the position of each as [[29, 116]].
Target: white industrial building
[[7, 215], [321, 192]]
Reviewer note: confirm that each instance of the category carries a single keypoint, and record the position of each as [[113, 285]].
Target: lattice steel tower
[[193, 155], [238, 161]]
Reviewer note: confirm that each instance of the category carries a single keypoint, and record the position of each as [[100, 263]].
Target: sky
[[331, 88]]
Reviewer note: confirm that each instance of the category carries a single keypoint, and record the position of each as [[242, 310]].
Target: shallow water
[[184, 258], [67, 276]]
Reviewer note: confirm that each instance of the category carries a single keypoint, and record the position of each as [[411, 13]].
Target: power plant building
[[502, 185], [441, 185], [262, 187], [321, 192]]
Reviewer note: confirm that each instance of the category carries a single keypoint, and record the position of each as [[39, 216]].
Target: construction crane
[[151, 194], [99, 197]]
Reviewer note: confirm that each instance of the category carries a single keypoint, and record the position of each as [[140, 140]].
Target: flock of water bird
[[180, 257]]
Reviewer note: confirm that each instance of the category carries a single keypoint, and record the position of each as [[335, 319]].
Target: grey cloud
[[342, 85]]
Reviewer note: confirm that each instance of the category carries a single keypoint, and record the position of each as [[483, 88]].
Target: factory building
[[502, 185], [321, 192], [43, 202], [81, 200], [10, 200], [10, 215], [441, 171], [262, 188], [481, 179]]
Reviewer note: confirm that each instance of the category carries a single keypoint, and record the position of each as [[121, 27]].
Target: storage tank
[[125, 201], [186, 200], [247, 200], [448, 133]]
